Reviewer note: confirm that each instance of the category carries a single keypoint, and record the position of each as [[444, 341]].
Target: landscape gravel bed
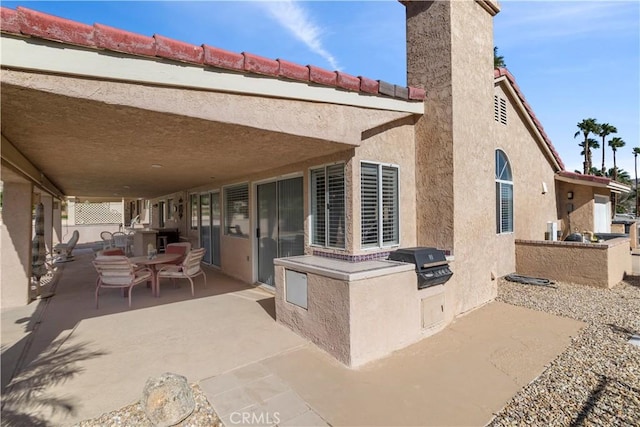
[[596, 380]]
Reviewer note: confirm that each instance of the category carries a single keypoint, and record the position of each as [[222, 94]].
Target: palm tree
[[636, 151], [586, 127], [615, 143], [498, 60], [604, 130], [593, 143]]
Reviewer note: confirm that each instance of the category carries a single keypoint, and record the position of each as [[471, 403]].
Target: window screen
[[504, 194], [236, 209]]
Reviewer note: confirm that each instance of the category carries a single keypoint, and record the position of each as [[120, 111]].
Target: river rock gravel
[[596, 380]]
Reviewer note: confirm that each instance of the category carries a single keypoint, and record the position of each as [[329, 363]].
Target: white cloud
[[296, 19]]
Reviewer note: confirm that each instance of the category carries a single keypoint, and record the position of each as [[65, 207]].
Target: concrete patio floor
[[226, 340]]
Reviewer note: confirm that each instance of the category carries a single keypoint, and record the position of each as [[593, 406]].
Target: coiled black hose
[[538, 281]]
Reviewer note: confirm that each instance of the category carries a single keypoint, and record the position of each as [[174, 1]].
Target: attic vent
[[500, 109]]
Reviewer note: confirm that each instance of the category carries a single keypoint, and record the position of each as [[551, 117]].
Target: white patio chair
[[122, 241], [107, 240], [63, 251], [189, 269], [119, 272]]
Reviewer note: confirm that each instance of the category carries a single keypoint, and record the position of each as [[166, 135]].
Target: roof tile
[[347, 81], [221, 58], [368, 85], [260, 65], [51, 27], [416, 93], [40, 25], [293, 71], [322, 76], [386, 88], [177, 50], [9, 22], [110, 38]]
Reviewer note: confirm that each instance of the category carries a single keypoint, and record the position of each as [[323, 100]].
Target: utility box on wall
[[432, 310], [296, 288]]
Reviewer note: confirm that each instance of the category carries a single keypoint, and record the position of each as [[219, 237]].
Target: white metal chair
[[119, 272], [63, 251], [122, 241], [189, 269], [107, 240]]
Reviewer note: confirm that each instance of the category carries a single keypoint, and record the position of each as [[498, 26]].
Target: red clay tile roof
[[582, 177], [27, 22], [500, 72]]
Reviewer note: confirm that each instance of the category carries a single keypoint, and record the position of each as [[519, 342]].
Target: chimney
[[450, 55]]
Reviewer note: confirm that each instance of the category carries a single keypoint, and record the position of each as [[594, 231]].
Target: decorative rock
[[167, 400]]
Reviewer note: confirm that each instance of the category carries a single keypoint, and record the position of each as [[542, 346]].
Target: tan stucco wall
[[394, 146], [530, 168], [15, 229], [602, 265], [449, 51], [581, 218], [390, 144], [386, 315], [326, 320]]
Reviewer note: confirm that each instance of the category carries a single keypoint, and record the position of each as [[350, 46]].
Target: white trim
[[50, 57]]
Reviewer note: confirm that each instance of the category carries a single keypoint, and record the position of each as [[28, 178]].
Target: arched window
[[504, 194]]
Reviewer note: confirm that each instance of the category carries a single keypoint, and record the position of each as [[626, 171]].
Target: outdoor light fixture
[[570, 195], [155, 165]]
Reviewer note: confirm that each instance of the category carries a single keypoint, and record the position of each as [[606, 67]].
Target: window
[[236, 210], [161, 214], [500, 109], [193, 202], [328, 206], [170, 209], [504, 194], [379, 210]]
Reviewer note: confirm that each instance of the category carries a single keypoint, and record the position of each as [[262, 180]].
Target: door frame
[[209, 193], [254, 218]]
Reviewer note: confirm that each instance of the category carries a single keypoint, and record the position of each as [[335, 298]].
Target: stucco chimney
[[450, 55]]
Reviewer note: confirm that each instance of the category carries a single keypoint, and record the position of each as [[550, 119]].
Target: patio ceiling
[[90, 148]]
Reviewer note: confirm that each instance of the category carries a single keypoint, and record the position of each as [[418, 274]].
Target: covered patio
[[97, 360]]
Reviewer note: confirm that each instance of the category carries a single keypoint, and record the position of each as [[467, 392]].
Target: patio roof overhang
[[592, 181], [93, 123]]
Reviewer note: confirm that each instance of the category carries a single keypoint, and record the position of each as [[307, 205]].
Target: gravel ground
[[203, 415], [596, 381]]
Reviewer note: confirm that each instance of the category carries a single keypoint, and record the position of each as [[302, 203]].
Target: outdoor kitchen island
[[357, 311]]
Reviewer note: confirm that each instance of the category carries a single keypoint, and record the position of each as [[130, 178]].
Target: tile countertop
[[343, 270]]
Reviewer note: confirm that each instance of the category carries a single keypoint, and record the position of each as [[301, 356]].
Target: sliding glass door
[[280, 231], [209, 221]]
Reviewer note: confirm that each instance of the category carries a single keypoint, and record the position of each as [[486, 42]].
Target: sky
[[571, 59]]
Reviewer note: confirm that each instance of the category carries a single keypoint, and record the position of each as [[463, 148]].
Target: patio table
[[153, 263]]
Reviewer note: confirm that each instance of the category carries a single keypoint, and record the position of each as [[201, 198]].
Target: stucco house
[[296, 178]]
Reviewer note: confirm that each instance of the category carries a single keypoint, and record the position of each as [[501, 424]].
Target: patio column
[[47, 202], [56, 220], [15, 272]]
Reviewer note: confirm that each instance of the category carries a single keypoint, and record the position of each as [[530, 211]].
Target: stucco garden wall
[[601, 264]]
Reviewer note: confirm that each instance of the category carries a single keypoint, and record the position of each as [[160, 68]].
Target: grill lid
[[421, 257]]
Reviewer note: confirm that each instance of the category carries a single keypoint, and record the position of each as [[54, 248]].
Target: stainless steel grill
[[431, 264]]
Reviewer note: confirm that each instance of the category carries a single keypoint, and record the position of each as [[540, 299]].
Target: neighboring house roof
[[503, 74], [27, 22], [592, 181]]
